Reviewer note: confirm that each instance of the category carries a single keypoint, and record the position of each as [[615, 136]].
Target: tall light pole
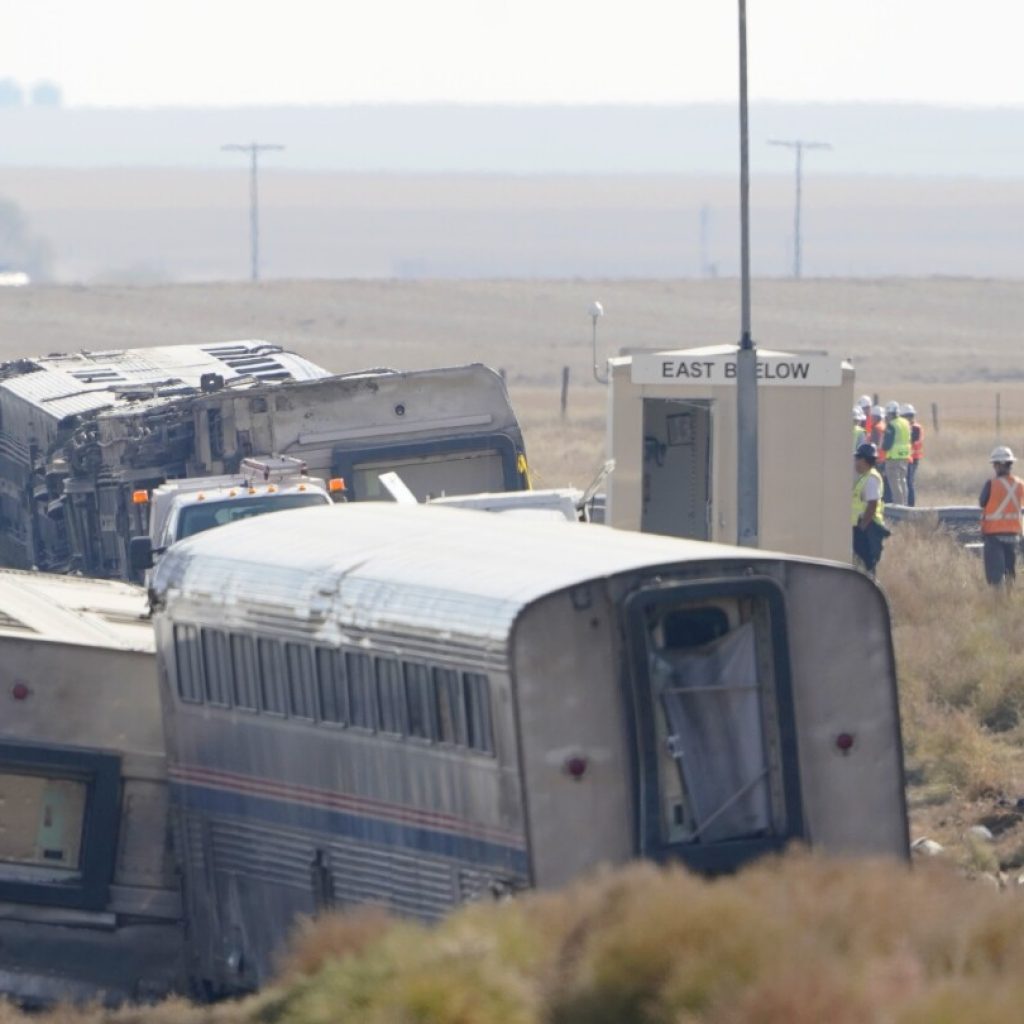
[[798, 146], [253, 149], [746, 357]]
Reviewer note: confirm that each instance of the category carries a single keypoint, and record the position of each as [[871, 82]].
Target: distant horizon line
[[967, 107]]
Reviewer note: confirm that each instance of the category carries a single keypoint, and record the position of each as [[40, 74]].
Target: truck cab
[[183, 508]]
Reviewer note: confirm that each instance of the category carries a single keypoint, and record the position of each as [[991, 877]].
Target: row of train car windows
[[348, 688]]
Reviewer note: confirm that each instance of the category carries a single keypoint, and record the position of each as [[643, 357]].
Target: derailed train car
[[418, 706], [89, 898], [80, 434]]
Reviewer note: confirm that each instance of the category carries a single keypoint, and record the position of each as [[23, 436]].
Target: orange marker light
[[252, 490], [200, 497], [271, 489], [140, 497], [336, 484]]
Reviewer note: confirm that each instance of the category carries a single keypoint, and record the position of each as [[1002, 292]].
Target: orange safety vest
[[878, 436], [917, 447], [1002, 512]]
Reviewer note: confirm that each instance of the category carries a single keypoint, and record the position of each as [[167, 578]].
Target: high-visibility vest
[[916, 442], [878, 436], [1002, 512], [859, 504], [901, 446], [858, 436]]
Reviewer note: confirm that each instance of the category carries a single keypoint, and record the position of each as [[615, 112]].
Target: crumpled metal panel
[[74, 610], [62, 386]]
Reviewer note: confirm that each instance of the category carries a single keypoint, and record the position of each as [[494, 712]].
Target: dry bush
[[798, 939]]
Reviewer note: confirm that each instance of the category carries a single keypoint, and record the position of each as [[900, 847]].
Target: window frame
[[301, 680], [239, 680], [276, 683], [365, 682], [478, 684], [89, 888], [195, 691], [335, 680]]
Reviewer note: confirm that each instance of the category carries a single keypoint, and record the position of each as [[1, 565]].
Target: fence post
[[999, 416], [565, 390], [935, 417]]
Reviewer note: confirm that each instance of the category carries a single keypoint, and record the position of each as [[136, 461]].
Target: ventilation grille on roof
[[97, 375], [244, 360]]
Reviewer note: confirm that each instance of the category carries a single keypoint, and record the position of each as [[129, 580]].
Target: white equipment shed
[[672, 434]]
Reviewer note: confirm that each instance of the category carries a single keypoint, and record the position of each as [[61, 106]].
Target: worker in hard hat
[[859, 434], [868, 508], [909, 413], [1001, 501], [897, 448]]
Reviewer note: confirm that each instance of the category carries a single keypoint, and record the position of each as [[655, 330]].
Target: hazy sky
[[216, 52]]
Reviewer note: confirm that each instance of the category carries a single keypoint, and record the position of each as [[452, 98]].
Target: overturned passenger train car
[[89, 898], [80, 434], [418, 706]]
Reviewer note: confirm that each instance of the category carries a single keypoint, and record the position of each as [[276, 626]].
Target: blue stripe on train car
[[464, 849]]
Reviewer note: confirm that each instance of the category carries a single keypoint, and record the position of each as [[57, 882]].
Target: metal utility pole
[[253, 149], [798, 146], [746, 358]]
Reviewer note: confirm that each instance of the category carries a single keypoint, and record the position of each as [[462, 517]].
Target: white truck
[[183, 508]]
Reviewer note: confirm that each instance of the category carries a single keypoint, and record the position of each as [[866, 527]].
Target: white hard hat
[[876, 411], [1001, 454], [858, 414], [907, 410], [864, 401], [892, 409]]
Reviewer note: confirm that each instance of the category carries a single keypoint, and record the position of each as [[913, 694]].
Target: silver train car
[[89, 899], [417, 706]]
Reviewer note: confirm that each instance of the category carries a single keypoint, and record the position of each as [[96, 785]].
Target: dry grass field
[[796, 941]]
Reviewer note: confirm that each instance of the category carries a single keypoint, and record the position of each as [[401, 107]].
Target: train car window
[[59, 809], [330, 677], [450, 713], [43, 821], [245, 675], [301, 681], [217, 668], [419, 707], [188, 660], [273, 672], [362, 710], [390, 710], [477, 692]]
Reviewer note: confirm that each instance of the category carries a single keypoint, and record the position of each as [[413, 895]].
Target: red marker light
[[576, 767], [844, 741], [19, 691]]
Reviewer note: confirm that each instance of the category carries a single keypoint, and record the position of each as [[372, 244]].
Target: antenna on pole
[[596, 311], [746, 358], [798, 146], [253, 149]]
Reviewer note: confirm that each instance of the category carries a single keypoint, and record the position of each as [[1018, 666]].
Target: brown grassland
[[799, 939]]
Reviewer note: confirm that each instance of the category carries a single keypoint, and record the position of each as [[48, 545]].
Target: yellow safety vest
[[859, 436], [901, 446], [859, 504]]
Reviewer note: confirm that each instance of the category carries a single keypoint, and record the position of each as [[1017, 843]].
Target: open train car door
[[765, 712]]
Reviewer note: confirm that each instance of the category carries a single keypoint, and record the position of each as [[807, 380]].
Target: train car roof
[[438, 569], [82, 382], [74, 610]]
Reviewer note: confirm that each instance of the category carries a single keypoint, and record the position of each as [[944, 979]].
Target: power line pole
[[798, 146], [746, 358], [253, 149]]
